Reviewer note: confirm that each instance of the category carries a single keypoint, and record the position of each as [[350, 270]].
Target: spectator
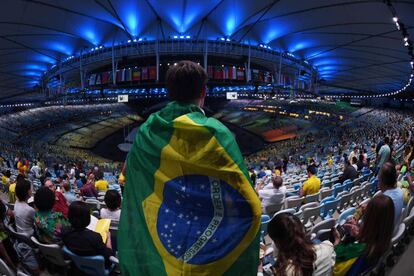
[[313, 184], [4, 238], [48, 224], [354, 153], [354, 163], [296, 253], [384, 153], [81, 240], [101, 185], [12, 190], [23, 213], [387, 183], [273, 193], [253, 176], [68, 194], [373, 238], [349, 172], [88, 188], [113, 206], [35, 170], [61, 204], [80, 181], [361, 162]]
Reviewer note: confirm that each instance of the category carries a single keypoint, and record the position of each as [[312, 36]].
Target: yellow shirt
[[5, 180], [311, 186], [101, 185], [12, 194]]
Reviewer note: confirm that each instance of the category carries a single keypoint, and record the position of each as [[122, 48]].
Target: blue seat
[[91, 265], [329, 206], [346, 214], [347, 185], [374, 186], [337, 188]]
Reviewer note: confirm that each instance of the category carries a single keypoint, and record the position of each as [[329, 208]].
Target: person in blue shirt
[[387, 181]]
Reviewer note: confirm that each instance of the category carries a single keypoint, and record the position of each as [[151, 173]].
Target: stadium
[[213, 137]]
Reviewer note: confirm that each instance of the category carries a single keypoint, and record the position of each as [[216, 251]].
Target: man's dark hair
[[44, 199], [388, 175], [311, 169], [185, 81], [84, 180], [22, 189], [78, 215], [277, 181], [387, 140], [112, 200]]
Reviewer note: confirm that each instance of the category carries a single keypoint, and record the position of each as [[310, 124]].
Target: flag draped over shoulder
[[189, 207]]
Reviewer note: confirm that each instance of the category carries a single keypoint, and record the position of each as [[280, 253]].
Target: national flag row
[[124, 75]]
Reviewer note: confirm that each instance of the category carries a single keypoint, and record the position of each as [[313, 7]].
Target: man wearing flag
[[189, 207]]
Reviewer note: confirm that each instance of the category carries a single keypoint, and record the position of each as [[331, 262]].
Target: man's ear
[[203, 92]]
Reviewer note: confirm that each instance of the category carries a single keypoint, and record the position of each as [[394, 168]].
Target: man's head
[[49, 184], [277, 181], [387, 140], [311, 170], [387, 177], [186, 82], [23, 190]]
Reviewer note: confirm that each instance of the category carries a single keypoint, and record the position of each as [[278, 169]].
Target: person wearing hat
[[313, 184]]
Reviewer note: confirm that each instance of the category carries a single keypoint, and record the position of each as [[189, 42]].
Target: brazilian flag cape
[[189, 207]]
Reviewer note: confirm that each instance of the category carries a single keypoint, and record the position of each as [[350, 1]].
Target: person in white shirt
[[113, 204], [297, 255], [273, 193], [35, 170], [23, 213]]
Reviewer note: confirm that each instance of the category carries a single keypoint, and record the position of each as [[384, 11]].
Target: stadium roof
[[353, 44]]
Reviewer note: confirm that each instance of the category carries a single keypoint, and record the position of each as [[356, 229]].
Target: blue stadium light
[[96, 48], [175, 37], [222, 39], [187, 37], [135, 40], [140, 39], [227, 39], [129, 41], [181, 36]]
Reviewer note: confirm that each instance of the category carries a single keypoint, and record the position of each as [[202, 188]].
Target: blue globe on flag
[[201, 219]]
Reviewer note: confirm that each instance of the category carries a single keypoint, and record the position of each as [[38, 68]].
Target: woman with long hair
[[373, 238], [297, 255]]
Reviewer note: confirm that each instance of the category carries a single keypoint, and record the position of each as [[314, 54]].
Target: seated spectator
[[349, 172], [312, 185], [68, 194], [23, 213], [372, 238], [80, 181], [101, 185], [296, 253], [387, 183], [61, 205], [4, 249], [81, 240], [12, 191], [361, 162], [272, 193], [5, 179], [354, 163], [48, 224], [88, 188], [113, 206]]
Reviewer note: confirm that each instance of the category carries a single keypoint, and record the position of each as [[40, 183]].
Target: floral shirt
[[49, 226]]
